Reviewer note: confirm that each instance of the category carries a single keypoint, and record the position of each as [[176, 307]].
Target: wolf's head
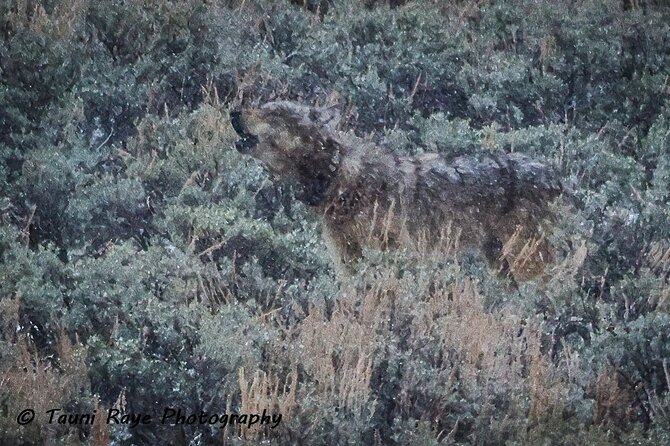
[[294, 142]]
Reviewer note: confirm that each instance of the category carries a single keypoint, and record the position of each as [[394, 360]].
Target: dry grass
[[100, 432], [468, 350], [613, 400], [338, 351], [471, 349], [62, 23], [29, 381], [658, 259], [442, 322], [265, 392], [547, 398]]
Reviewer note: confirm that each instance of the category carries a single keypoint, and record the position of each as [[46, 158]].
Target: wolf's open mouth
[[247, 141]]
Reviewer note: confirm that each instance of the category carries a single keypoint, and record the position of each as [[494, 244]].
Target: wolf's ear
[[328, 117]]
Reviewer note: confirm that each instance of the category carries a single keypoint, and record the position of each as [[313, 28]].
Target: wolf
[[367, 195]]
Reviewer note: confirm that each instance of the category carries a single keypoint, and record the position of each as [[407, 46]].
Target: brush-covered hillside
[[146, 265]]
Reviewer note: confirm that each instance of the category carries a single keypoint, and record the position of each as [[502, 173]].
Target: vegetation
[[145, 264]]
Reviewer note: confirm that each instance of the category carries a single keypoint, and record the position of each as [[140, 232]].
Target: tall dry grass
[[31, 381]]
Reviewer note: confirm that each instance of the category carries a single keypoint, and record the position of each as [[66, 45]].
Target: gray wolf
[[367, 195]]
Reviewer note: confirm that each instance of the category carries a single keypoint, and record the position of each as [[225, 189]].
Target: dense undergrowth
[[145, 264]]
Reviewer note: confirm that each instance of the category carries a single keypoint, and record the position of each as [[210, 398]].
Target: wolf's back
[[498, 181]]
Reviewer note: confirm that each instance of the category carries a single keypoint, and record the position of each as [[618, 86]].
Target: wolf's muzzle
[[247, 141]]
